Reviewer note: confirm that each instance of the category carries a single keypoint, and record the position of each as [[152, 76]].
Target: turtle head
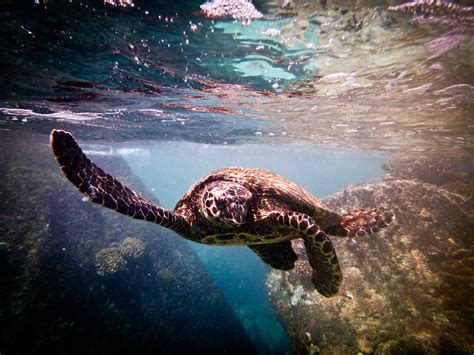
[[225, 203]]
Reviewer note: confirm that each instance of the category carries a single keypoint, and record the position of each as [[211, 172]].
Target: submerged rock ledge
[[147, 296], [406, 289]]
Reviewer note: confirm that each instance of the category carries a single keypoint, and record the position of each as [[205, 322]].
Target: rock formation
[[155, 295], [407, 289]]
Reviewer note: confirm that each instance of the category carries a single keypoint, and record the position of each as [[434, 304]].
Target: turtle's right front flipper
[[327, 275], [105, 190]]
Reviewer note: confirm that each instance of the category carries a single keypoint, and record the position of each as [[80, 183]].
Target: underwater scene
[[236, 177]]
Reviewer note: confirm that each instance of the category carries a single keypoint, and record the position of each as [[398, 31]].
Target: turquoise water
[[144, 50], [156, 72]]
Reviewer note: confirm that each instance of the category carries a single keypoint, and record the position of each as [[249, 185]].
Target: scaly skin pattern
[[103, 189], [232, 206], [365, 222], [327, 275]]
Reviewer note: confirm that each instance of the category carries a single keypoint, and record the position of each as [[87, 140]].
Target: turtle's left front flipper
[[365, 221], [104, 189]]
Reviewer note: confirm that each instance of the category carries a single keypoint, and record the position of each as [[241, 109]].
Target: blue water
[[158, 71], [168, 169], [69, 52]]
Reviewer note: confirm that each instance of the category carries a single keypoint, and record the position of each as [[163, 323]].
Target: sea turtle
[[233, 206]]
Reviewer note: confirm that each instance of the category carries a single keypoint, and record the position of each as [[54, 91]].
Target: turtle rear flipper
[[104, 189], [363, 222], [278, 255], [327, 275]]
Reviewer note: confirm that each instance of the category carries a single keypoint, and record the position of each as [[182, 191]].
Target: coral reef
[[236, 9], [109, 261], [454, 174], [132, 248], [405, 290], [463, 187]]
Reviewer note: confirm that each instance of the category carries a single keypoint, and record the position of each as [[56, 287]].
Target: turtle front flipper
[[364, 222], [278, 255], [327, 275], [105, 190]]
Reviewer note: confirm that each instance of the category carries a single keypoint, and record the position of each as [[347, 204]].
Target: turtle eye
[[221, 204], [232, 207]]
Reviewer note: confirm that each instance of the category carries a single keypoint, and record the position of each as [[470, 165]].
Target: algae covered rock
[[436, 170], [406, 288], [109, 261], [454, 174], [132, 248]]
